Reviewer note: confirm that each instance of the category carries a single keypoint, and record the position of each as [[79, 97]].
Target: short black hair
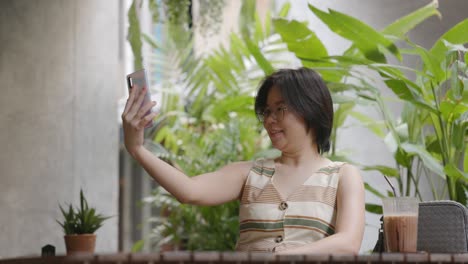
[[305, 92]]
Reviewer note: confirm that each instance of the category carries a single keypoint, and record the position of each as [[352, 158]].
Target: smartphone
[[138, 80]]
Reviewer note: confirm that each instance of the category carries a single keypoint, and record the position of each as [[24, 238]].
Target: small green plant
[[83, 220]]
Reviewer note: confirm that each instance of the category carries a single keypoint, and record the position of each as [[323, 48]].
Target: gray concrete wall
[[60, 66]]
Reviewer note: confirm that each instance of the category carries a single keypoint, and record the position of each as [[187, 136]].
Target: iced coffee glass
[[400, 224]]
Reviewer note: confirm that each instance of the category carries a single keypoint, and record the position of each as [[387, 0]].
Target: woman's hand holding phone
[[135, 117], [137, 81]]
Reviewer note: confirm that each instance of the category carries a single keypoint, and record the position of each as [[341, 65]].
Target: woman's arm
[[349, 220], [212, 188], [207, 189]]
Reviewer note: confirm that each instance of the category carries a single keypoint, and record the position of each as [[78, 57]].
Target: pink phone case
[[137, 80]]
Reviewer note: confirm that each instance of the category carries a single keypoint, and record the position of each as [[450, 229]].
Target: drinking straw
[[391, 185]]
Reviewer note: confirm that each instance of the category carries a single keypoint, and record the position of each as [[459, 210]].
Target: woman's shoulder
[[349, 172], [342, 166], [346, 167], [341, 170]]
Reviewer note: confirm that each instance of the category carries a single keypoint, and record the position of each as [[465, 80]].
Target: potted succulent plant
[[79, 225]]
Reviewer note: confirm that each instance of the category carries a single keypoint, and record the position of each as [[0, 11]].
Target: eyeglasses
[[277, 114]]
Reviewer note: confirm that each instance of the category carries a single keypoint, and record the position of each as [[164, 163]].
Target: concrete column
[[60, 68]]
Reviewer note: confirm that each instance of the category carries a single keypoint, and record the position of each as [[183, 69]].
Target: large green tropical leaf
[[403, 25], [303, 42], [407, 93], [307, 47], [429, 161], [431, 65], [385, 170], [364, 37], [456, 174], [455, 35]]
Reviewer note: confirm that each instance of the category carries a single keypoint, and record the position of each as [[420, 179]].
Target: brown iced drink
[[401, 233]]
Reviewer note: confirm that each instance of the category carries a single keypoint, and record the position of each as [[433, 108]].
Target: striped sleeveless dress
[[270, 223]]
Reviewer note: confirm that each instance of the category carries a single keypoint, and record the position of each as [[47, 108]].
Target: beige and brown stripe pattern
[[267, 195], [261, 225], [309, 216], [307, 193], [311, 223]]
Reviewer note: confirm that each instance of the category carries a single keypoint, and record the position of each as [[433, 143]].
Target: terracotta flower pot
[[80, 244]]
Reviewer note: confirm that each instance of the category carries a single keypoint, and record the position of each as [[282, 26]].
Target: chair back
[[442, 227]]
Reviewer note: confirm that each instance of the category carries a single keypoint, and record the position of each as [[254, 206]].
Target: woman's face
[[286, 129]]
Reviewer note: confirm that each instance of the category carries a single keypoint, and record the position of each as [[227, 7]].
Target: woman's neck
[[300, 157]]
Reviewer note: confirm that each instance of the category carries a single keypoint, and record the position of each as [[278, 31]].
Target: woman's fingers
[[134, 113], [131, 98], [137, 102], [145, 108], [140, 123], [137, 120], [146, 120]]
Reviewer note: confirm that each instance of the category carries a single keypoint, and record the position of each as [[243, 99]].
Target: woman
[[298, 203]]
